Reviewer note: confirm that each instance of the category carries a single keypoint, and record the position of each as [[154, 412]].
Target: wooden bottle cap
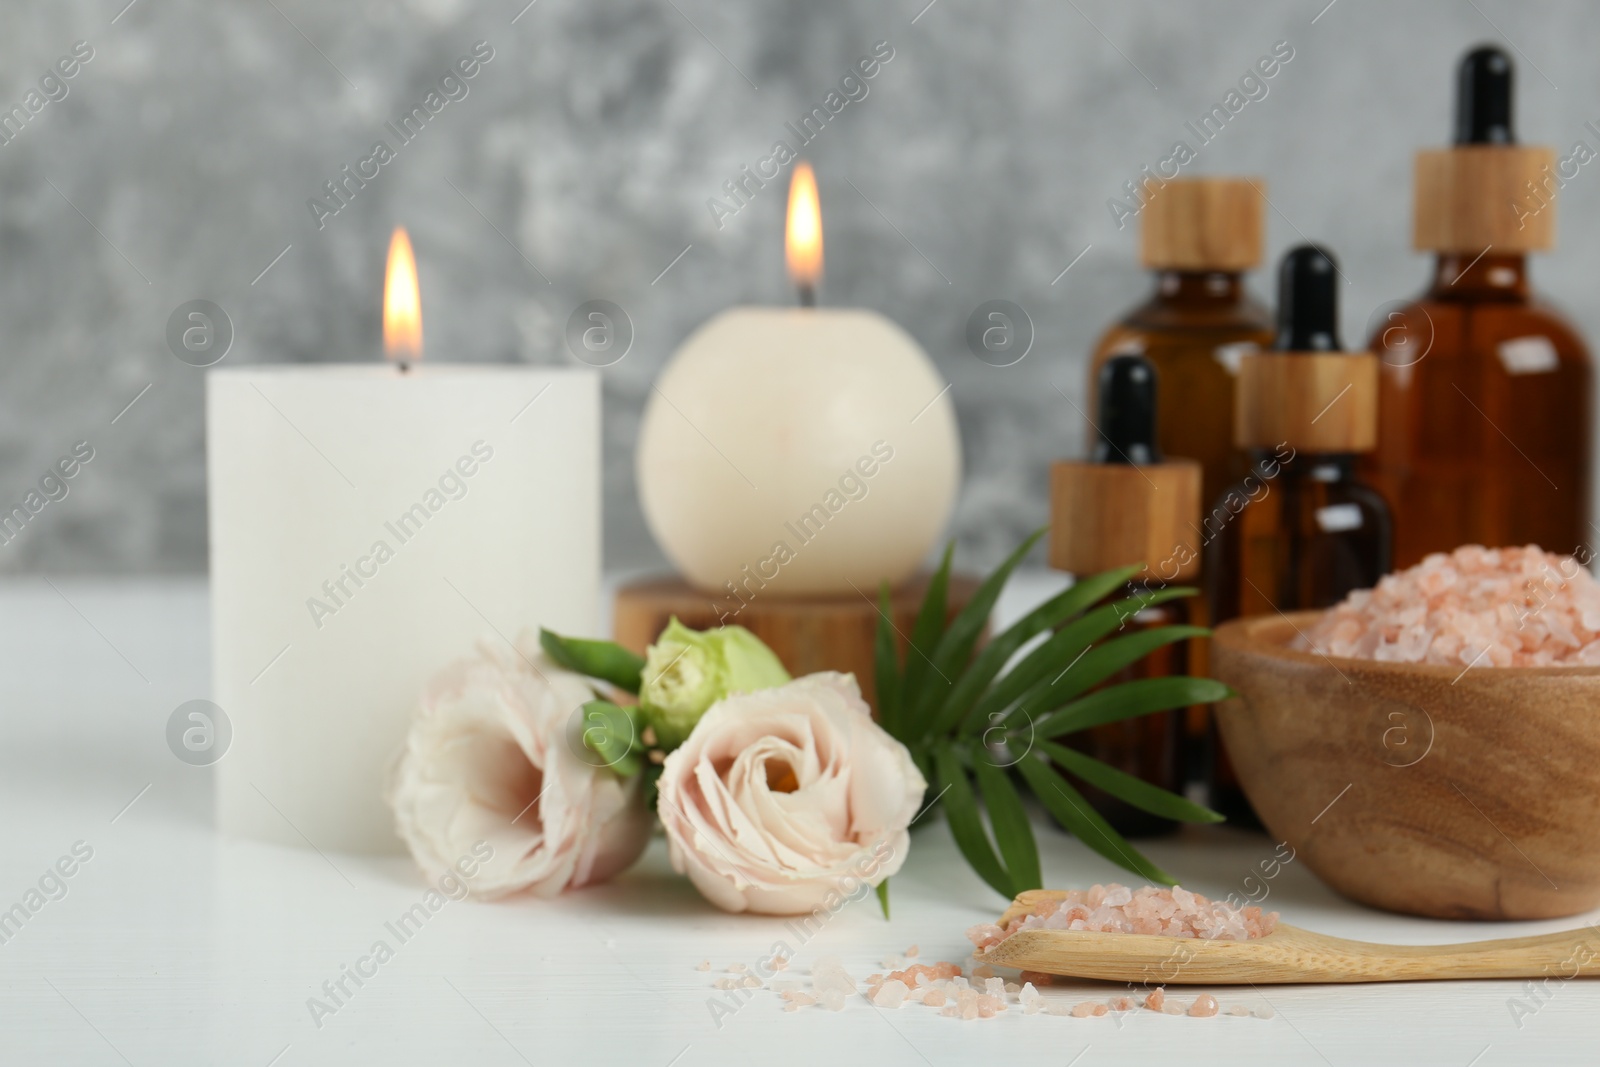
[[1312, 401], [1107, 515], [1472, 196], [1203, 224]]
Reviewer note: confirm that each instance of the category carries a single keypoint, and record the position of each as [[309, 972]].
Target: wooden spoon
[[1287, 956]]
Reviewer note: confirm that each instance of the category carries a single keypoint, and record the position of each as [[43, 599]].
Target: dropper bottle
[[1300, 531], [1124, 505], [1484, 411]]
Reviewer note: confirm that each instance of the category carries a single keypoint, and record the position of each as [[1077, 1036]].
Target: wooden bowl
[[1416, 788]]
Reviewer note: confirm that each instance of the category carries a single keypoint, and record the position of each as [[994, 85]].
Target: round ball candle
[[798, 451]]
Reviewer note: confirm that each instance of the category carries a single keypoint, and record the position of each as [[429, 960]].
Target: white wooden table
[[172, 946]]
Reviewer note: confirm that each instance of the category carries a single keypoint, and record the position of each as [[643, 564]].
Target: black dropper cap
[[1127, 416], [1483, 98], [1308, 301]]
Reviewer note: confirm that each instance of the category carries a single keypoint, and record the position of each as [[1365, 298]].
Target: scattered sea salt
[[828, 974], [1032, 1000], [890, 994]]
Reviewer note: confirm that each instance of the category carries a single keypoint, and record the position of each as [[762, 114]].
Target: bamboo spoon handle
[[1290, 955], [1565, 954]]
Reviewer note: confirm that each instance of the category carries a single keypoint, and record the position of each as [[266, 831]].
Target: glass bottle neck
[[1486, 276], [1197, 287], [1311, 466]]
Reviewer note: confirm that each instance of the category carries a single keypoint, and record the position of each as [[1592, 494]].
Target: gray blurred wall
[[180, 161]]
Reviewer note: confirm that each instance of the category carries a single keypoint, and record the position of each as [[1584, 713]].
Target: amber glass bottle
[[1198, 236], [1484, 421], [1300, 531], [1125, 503]]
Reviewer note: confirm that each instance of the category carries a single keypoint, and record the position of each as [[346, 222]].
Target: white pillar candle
[[367, 526]]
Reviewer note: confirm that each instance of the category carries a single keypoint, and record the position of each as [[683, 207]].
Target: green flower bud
[[686, 671]]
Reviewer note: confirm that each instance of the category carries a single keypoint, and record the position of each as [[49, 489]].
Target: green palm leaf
[[1066, 646], [1074, 812], [999, 651], [961, 812], [1009, 821], [1136, 791], [1142, 696]]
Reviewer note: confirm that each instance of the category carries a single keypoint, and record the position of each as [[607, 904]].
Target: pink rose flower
[[782, 797], [495, 755]]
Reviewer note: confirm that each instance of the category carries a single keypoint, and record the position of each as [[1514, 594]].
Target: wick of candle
[[808, 296]]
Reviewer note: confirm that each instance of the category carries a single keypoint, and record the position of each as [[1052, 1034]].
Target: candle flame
[[802, 243], [402, 302]]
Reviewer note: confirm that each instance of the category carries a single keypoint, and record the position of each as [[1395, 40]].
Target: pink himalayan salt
[[1505, 607], [890, 994], [1239, 1010], [1121, 1004], [1156, 998], [1174, 912], [1204, 1006], [934, 998], [913, 952], [703, 965], [1087, 1008], [828, 973], [916, 975]]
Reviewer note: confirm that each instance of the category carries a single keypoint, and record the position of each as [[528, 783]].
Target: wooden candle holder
[[1312, 401], [813, 633]]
